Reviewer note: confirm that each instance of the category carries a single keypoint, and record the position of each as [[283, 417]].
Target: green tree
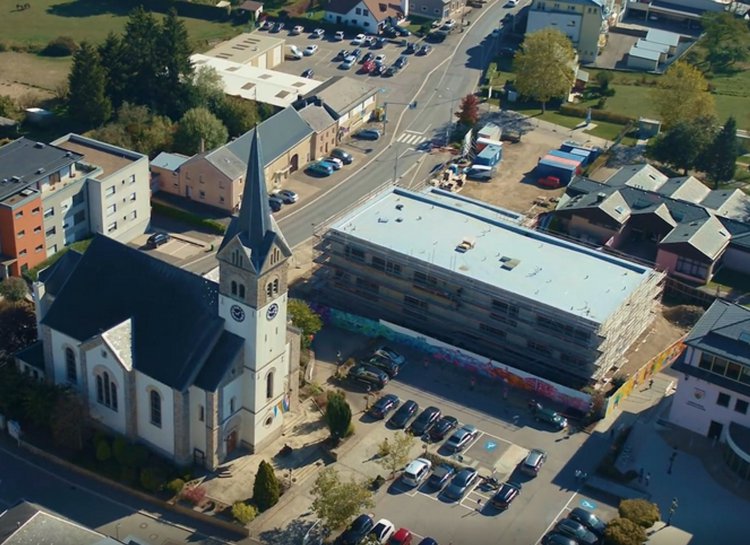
[[682, 95], [338, 415], [244, 513], [304, 318], [114, 60], [69, 422], [88, 103], [266, 488], [238, 114], [719, 158], [8, 107], [139, 129], [143, 65], [683, 144], [13, 289], [468, 111], [642, 512], [337, 502], [396, 452], [39, 401], [621, 531], [199, 130], [603, 79], [206, 88], [727, 39], [17, 327], [545, 66], [173, 51]]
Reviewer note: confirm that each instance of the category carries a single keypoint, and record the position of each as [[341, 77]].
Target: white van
[[293, 52], [416, 472]]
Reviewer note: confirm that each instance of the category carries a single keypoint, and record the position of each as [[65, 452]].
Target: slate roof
[[175, 322], [317, 117], [341, 93], [686, 188], [169, 161], [643, 176], [709, 237], [724, 330], [54, 276], [226, 352], [33, 355]]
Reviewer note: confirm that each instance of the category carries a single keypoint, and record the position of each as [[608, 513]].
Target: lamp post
[[672, 509]]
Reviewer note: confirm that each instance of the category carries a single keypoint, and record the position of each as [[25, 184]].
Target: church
[[192, 368]]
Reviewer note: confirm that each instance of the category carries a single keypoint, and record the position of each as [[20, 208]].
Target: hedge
[[189, 218], [599, 115], [80, 246]]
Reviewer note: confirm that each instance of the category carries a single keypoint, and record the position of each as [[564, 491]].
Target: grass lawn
[[745, 159]]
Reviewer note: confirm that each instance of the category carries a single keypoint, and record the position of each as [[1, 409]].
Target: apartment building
[[469, 274]]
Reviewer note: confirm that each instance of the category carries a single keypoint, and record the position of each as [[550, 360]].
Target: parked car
[[369, 41], [549, 182], [383, 530], [341, 55], [448, 25], [383, 406], [479, 173], [442, 474], [403, 32], [348, 62], [368, 134], [319, 169], [594, 524], [357, 530], [404, 413], [157, 239], [332, 164], [506, 52], [424, 50], [310, 50], [461, 483], [379, 43], [460, 438], [401, 537], [380, 59], [366, 57], [402, 61], [442, 427], [334, 160], [318, 33], [345, 156], [505, 495], [308, 73], [416, 472], [378, 70], [425, 421], [338, 36], [436, 37], [357, 52], [411, 47], [428, 541], [277, 27], [286, 195], [533, 462], [296, 30], [384, 364], [548, 416], [265, 25], [388, 352], [367, 67], [576, 530], [275, 204], [369, 376], [558, 539], [391, 71], [512, 3], [358, 39]]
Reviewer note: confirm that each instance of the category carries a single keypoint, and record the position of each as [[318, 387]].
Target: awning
[[489, 142]]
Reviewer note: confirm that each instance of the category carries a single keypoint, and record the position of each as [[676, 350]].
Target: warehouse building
[[467, 273]]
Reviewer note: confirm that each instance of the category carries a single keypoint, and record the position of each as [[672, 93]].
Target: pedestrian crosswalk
[[411, 138]]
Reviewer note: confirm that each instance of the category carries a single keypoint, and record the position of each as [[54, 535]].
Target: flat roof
[[105, 156], [429, 226], [245, 47], [259, 84], [648, 54], [342, 93], [663, 37], [653, 46]]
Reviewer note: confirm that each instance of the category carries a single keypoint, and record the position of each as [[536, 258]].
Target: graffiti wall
[[503, 375], [664, 359]]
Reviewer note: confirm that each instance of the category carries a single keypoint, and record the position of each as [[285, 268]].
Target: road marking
[[557, 516], [489, 445], [586, 504], [414, 132], [407, 137]]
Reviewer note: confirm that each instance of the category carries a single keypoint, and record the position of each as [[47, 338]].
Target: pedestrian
[[650, 383], [648, 478], [479, 503], [338, 356]]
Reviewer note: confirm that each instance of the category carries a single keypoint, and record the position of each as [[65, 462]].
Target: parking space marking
[[566, 507]]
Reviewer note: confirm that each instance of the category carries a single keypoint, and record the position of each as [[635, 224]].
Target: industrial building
[[469, 274]]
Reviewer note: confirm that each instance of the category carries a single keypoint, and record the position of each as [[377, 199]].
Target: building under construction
[[469, 274]]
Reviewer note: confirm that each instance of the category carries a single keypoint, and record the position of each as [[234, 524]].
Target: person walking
[[648, 478]]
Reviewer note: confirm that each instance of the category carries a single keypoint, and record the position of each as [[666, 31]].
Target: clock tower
[[253, 265]]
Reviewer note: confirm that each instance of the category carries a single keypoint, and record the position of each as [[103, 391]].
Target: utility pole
[[672, 509]]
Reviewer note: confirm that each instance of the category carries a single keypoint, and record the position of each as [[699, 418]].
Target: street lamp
[[672, 509]]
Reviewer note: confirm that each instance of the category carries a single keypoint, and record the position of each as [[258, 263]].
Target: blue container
[[489, 156], [565, 155], [563, 171]]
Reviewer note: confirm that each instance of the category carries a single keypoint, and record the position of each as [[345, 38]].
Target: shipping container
[[557, 168], [566, 155], [489, 156]]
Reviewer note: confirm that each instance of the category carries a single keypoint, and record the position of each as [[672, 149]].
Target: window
[[740, 406], [237, 258], [414, 302], [234, 287], [358, 11], [690, 267], [232, 405], [22, 253], [201, 413], [112, 227], [272, 288], [202, 194], [493, 330], [106, 391], [37, 230], [113, 396], [109, 191], [505, 308], [269, 385], [424, 279], [49, 212], [70, 366], [133, 215], [132, 178], [275, 256], [19, 214], [79, 217], [78, 198], [354, 254], [38, 249], [242, 291], [111, 209], [155, 400], [132, 196], [35, 211], [723, 399], [21, 233], [538, 347]]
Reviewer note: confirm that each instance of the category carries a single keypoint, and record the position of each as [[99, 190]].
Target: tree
[[143, 66], [39, 402], [206, 88], [13, 289], [336, 502], [395, 453], [622, 531], [338, 415], [17, 327], [719, 158], [727, 39], [604, 78], [8, 107], [238, 114], [642, 512], [69, 422], [88, 103], [683, 144], [544, 66], [113, 55], [199, 130], [682, 95], [306, 319], [173, 51], [139, 129], [266, 488], [244, 513], [468, 112]]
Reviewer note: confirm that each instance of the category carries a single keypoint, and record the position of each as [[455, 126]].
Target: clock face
[[272, 311], [237, 313]]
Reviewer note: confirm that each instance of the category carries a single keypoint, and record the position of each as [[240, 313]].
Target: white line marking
[[557, 516]]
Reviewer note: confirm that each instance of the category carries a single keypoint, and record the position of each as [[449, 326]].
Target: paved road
[[24, 476]]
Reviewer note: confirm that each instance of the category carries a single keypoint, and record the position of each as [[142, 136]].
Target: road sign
[[490, 445], [586, 504]]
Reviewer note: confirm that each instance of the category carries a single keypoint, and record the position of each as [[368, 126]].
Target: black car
[[308, 73], [589, 520], [345, 156], [369, 376], [357, 530], [402, 61], [558, 539], [379, 43], [356, 52], [505, 495], [424, 50], [576, 530], [277, 27], [384, 405], [425, 421], [366, 57], [437, 37], [384, 364], [411, 47], [404, 413], [440, 476], [403, 32], [341, 55], [392, 71], [157, 239], [443, 427]]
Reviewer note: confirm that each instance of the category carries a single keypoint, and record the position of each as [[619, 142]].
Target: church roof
[[225, 353], [174, 313], [54, 276]]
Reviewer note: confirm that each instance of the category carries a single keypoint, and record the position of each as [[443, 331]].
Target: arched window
[[155, 399], [107, 398], [269, 385], [276, 286], [106, 391], [70, 365], [242, 291], [113, 396], [234, 287], [99, 389]]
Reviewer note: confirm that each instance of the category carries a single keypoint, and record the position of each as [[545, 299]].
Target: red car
[[401, 537], [550, 182], [367, 67]]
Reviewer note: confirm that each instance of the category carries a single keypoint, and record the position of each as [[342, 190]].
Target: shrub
[[62, 46], [128, 475], [189, 218], [152, 478], [175, 486], [194, 494], [599, 115], [642, 512], [624, 532], [103, 450], [244, 513], [266, 488]]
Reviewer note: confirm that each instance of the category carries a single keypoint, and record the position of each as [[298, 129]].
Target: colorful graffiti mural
[[474, 364], [663, 359]]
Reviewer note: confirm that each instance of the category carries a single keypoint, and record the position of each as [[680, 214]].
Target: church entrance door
[[231, 442]]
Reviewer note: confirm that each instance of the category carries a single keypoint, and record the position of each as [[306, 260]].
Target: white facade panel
[[100, 360], [59, 343], [161, 436], [198, 409], [567, 23]]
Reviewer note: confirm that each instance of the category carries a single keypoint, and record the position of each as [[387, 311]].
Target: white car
[[335, 160], [416, 472], [359, 39], [318, 33], [297, 30], [348, 62], [338, 36], [380, 59], [512, 3], [382, 531], [311, 49]]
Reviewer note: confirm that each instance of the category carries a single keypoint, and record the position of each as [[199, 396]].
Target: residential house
[[713, 393], [680, 11], [52, 195], [192, 368], [352, 101], [678, 224], [470, 275], [368, 15], [435, 9], [585, 22], [322, 120]]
